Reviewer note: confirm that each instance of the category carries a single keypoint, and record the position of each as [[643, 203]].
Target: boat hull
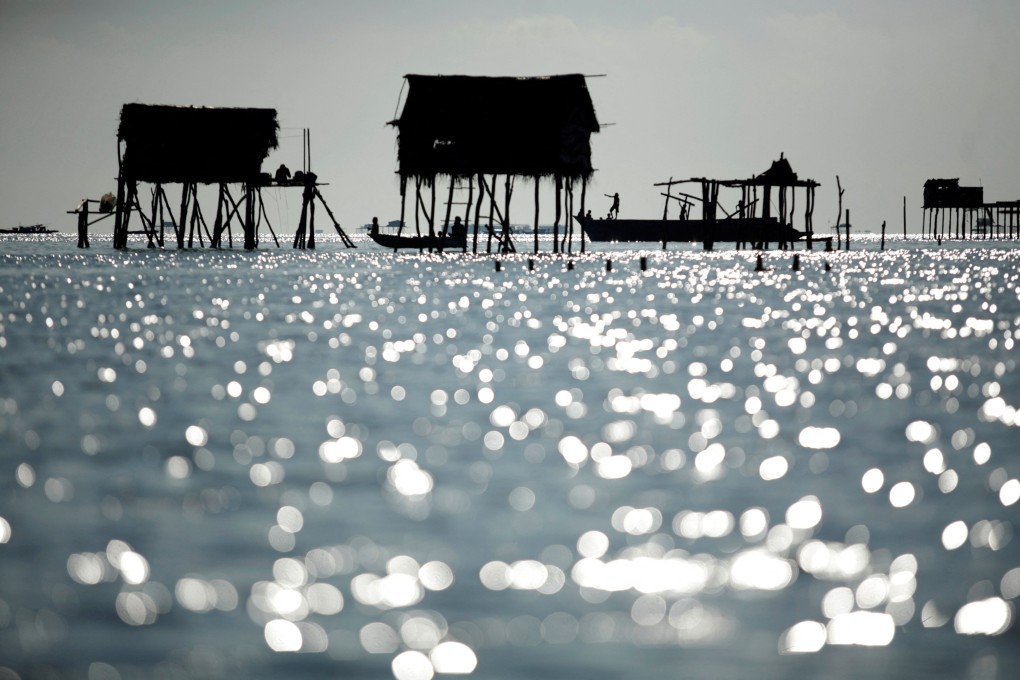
[[756, 229], [394, 241]]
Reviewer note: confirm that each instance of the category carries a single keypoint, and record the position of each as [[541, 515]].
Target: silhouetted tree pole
[[839, 213]]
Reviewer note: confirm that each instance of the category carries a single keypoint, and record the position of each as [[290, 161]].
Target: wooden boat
[[752, 229], [455, 239], [30, 229]]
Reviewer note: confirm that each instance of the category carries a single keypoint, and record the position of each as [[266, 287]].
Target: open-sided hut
[[753, 215], [471, 129]]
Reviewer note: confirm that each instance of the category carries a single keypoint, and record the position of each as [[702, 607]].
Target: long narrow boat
[[753, 229], [29, 230], [454, 240]]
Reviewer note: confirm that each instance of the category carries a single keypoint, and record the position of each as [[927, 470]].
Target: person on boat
[[282, 174], [588, 216], [614, 210], [458, 229], [375, 226]]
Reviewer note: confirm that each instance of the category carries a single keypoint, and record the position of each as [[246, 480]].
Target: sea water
[[360, 464]]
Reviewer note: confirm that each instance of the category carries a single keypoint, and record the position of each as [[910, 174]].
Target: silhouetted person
[[375, 226], [282, 174], [459, 228], [614, 210], [588, 215]]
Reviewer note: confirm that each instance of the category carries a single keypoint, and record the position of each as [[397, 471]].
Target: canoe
[[455, 240]]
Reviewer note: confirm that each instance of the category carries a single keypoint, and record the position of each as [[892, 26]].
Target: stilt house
[[477, 131], [186, 145]]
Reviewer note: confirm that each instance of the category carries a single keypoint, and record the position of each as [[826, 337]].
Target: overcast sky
[[884, 94]]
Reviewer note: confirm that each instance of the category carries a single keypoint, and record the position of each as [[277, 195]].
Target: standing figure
[[614, 209]]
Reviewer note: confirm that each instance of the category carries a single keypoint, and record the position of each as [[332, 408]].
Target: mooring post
[[796, 262], [644, 263], [249, 219], [883, 235], [848, 228], [83, 225]]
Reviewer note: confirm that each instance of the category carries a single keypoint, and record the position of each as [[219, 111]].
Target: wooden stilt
[[556, 222], [584, 191], [310, 191], [478, 212], [432, 214], [570, 211], [467, 208], [403, 202], [249, 219], [446, 220], [536, 213], [507, 193]]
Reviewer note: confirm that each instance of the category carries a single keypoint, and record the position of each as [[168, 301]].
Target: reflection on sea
[[292, 463]]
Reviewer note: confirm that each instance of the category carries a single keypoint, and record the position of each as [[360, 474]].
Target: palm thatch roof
[[462, 125], [193, 144]]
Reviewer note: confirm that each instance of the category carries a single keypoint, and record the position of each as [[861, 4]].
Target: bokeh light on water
[[372, 465]]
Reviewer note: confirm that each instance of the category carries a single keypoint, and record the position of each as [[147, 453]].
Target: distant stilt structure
[[744, 225], [459, 129], [162, 145], [946, 202]]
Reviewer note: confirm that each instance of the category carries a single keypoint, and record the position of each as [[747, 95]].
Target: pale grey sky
[[884, 94]]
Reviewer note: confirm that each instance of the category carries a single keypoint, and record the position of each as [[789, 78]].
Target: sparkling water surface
[[356, 464]]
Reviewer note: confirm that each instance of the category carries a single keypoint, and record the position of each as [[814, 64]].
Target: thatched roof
[[461, 125], [188, 144]]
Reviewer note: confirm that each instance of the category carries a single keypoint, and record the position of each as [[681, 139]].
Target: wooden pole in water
[[508, 191], [536, 213], [403, 202], [432, 215], [467, 209], [848, 228], [556, 222], [883, 235], [904, 217], [809, 225], [478, 212], [249, 218], [568, 199], [492, 211], [310, 192], [839, 212], [83, 225], [584, 191], [446, 221]]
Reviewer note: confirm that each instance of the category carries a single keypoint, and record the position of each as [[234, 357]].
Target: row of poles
[[998, 221], [495, 227], [248, 209]]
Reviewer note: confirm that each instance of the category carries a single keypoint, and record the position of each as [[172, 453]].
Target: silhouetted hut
[[200, 145], [472, 129], [951, 210], [178, 144], [190, 146]]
